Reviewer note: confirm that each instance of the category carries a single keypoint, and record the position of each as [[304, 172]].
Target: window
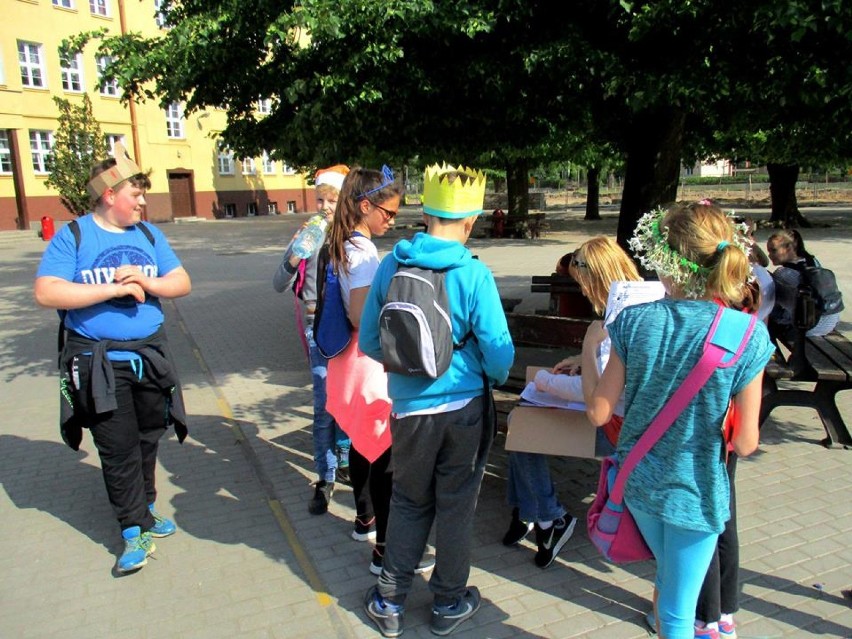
[[159, 14], [40, 145], [108, 86], [5, 153], [72, 74], [249, 167], [174, 120], [272, 208], [288, 170], [229, 209], [99, 8], [268, 164], [112, 139], [291, 206], [226, 162], [64, 4], [251, 209], [264, 106], [32, 64]]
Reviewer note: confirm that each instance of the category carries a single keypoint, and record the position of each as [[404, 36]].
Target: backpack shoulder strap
[[147, 232], [74, 225]]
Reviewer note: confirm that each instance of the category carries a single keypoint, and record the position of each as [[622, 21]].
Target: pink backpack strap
[[729, 333], [298, 285]]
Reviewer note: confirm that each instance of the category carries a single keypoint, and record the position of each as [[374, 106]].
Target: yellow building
[[191, 175]]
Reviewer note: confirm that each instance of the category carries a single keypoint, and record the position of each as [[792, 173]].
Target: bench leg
[[822, 399]]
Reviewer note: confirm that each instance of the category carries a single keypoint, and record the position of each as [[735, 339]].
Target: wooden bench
[[826, 361], [566, 298]]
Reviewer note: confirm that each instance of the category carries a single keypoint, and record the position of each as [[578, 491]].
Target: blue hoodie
[[474, 306]]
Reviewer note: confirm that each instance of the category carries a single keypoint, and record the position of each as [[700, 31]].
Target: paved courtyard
[[249, 561]]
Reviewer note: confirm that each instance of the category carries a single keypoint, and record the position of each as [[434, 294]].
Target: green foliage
[[78, 144]]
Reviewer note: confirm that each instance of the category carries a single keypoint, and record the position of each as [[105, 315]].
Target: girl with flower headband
[[679, 492]]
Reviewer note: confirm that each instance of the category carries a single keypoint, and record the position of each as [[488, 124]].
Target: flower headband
[[650, 244], [387, 180]]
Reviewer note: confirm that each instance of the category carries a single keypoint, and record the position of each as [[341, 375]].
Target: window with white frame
[[226, 162], [32, 64], [288, 170], [249, 167], [41, 143], [159, 14], [99, 8], [268, 164], [272, 208], [108, 86], [112, 139], [5, 153], [174, 120], [251, 209], [229, 210], [264, 106], [291, 206], [72, 74], [64, 4]]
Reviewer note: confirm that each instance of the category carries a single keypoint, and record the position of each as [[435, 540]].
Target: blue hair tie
[[721, 246]]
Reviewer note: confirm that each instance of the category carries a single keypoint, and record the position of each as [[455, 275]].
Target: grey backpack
[[415, 329]]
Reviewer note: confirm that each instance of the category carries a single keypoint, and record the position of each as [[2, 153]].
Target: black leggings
[[378, 480]]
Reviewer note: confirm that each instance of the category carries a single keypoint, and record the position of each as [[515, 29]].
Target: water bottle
[[310, 237]]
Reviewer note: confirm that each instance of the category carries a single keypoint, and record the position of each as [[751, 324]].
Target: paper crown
[[461, 198], [332, 176], [124, 169]]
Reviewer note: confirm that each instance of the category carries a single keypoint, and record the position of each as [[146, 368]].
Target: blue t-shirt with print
[[682, 479], [94, 262]]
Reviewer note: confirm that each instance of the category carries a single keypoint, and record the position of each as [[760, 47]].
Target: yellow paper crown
[[124, 169], [461, 198]]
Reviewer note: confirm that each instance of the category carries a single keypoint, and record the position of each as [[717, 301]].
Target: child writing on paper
[[596, 264]]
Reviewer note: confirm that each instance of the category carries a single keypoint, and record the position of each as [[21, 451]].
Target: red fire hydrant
[[498, 223], [47, 229]]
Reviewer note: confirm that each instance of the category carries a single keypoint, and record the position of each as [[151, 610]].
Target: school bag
[[818, 294], [415, 330]]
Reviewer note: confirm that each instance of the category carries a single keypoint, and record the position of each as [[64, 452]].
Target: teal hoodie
[[474, 307]]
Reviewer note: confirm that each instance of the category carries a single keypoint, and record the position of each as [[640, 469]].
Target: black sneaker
[[387, 616], [364, 529], [518, 530], [342, 475], [322, 495], [426, 563], [550, 541], [445, 619]]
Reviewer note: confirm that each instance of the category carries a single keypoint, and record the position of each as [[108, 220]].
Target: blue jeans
[[326, 433], [530, 488]]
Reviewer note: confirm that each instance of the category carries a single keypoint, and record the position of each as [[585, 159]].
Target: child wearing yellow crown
[[439, 426]]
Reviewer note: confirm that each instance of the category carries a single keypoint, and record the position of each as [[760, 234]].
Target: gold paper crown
[[461, 198], [124, 169]]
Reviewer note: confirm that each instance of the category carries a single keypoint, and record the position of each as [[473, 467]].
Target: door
[[181, 193]]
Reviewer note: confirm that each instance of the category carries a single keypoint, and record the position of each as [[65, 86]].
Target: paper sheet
[[623, 294], [530, 396]]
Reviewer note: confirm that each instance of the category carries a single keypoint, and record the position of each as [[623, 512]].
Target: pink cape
[[357, 398]]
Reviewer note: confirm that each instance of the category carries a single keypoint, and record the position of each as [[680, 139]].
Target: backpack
[[332, 328], [415, 329], [74, 225], [818, 294]]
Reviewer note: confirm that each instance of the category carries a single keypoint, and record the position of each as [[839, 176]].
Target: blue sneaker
[[163, 527], [386, 615], [137, 546], [445, 619]]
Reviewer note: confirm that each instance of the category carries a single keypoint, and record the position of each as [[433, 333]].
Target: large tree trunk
[[593, 194], [782, 192], [518, 189], [654, 148]]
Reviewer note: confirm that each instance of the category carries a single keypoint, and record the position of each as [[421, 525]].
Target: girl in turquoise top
[[679, 492]]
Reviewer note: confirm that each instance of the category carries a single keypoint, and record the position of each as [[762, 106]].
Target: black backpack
[[415, 329], [817, 295]]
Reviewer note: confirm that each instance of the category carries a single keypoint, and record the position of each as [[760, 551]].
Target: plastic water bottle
[[310, 238]]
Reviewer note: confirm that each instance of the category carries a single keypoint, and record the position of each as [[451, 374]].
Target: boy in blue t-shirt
[[106, 273]]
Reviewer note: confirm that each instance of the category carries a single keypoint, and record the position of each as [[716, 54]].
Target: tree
[[78, 144]]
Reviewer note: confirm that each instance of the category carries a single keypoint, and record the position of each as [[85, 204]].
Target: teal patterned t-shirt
[[682, 480]]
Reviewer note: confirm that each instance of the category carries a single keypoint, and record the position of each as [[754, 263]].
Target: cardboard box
[[550, 431]]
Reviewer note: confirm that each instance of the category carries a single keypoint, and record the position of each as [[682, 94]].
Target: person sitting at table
[[596, 264]]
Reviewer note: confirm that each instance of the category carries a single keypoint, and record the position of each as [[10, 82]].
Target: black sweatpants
[[127, 438]]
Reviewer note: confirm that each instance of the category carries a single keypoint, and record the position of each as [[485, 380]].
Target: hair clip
[[705, 202], [387, 180]]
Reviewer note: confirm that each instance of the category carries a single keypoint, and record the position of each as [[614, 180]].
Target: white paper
[[531, 396], [623, 294]]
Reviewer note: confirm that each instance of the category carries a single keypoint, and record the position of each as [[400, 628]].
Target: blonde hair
[[704, 235], [596, 264]]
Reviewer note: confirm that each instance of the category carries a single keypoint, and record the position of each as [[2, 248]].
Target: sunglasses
[[577, 263], [388, 213]]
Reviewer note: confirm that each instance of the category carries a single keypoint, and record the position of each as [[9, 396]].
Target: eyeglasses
[[388, 213], [577, 263]]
